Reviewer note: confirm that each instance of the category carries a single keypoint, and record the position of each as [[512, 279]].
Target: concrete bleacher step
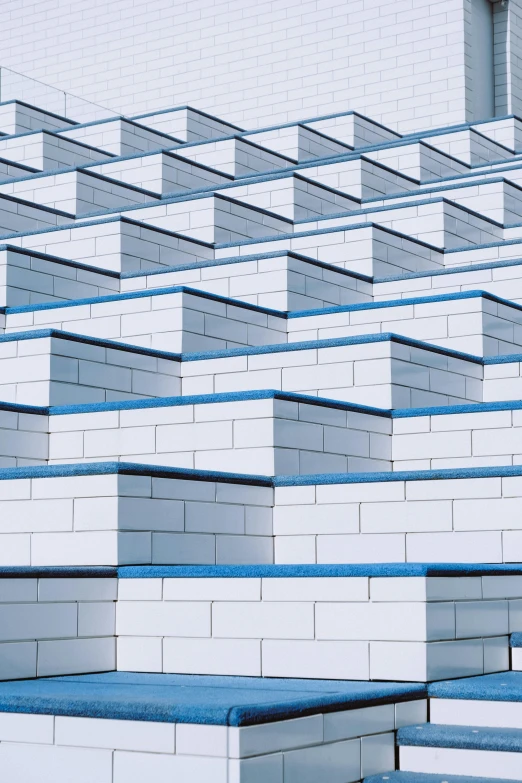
[[260, 433], [365, 248], [212, 218], [186, 123], [10, 170], [77, 192], [494, 700], [473, 321], [120, 513], [21, 117], [498, 198], [437, 221], [291, 195], [461, 750], [30, 277], [47, 150], [18, 215], [266, 432], [315, 519], [515, 643], [298, 141], [358, 176], [174, 319], [499, 277], [280, 280], [161, 172], [468, 145], [235, 155], [220, 729], [120, 136], [382, 370], [49, 367], [399, 776], [181, 318], [417, 159], [352, 128], [116, 243]]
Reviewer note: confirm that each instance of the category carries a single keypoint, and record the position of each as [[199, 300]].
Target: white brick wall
[[403, 64]]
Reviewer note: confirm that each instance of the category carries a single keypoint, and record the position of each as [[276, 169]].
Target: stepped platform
[[10, 170], [116, 244], [425, 777], [30, 277], [358, 176], [470, 146], [77, 192], [495, 197], [135, 514], [291, 195], [20, 117], [186, 123], [364, 248], [266, 432], [299, 142], [212, 218], [383, 370], [175, 319], [281, 280], [46, 367], [329, 311], [460, 515], [45, 150], [418, 159], [490, 701], [461, 749], [180, 318], [18, 215], [497, 277], [120, 136], [197, 728], [235, 155], [474, 321], [437, 221], [161, 172]]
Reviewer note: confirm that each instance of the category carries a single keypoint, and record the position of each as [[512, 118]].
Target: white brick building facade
[[411, 64]]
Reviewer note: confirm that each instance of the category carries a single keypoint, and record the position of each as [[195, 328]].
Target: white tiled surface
[[46, 746]]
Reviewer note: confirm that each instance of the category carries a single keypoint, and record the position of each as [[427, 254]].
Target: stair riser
[[457, 761], [464, 712]]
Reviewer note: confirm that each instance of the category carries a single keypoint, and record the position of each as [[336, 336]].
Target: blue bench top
[[426, 777], [504, 686], [515, 640], [203, 699], [270, 571], [433, 735], [319, 570]]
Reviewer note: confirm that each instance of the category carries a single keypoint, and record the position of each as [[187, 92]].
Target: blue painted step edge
[[424, 777], [431, 735]]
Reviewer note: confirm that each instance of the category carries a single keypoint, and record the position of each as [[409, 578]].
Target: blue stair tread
[[178, 698], [432, 735], [425, 777], [504, 686], [515, 640]]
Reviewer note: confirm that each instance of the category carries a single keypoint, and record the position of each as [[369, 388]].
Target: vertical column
[[507, 16]]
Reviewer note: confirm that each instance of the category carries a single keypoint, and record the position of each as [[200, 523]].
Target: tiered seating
[[260, 453]]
